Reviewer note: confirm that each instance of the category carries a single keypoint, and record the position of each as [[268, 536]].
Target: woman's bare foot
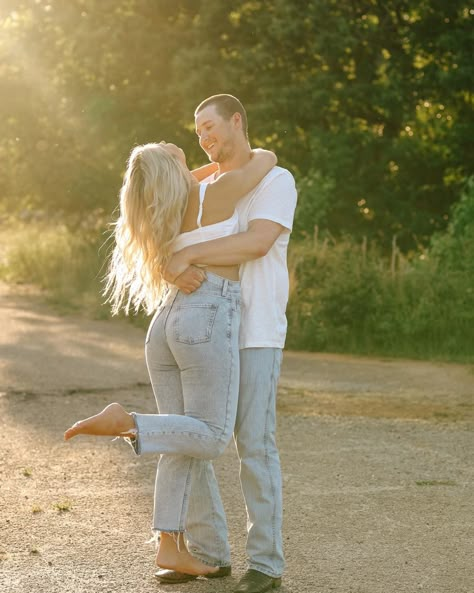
[[180, 560], [112, 421]]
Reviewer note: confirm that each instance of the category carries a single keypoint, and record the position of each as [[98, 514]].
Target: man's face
[[216, 135]]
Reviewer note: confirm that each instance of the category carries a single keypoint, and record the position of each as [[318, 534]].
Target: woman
[[192, 344]]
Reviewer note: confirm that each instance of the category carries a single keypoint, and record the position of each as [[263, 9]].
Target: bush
[[347, 298], [454, 249]]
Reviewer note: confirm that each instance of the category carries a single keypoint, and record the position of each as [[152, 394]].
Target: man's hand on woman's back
[[190, 280]]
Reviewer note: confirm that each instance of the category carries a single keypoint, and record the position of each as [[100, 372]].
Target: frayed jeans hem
[[174, 532], [206, 562]]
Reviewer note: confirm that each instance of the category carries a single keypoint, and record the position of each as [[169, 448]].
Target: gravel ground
[[376, 457]]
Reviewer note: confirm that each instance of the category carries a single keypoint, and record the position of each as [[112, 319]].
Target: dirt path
[[378, 482]]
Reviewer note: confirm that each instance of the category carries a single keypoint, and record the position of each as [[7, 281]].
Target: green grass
[[345, 296], [349, 298], [66, 263], [63, 506]]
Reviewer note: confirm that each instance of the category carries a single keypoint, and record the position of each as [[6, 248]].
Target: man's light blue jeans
[[260, 475]]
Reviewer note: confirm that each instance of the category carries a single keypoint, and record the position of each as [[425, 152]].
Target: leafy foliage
[[368, 102], [349, 299], [454, 249]]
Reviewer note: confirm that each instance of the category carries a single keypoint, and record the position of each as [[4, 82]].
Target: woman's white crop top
[[224, 228]]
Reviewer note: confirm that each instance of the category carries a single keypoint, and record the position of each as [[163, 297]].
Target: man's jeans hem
[[265, 571]]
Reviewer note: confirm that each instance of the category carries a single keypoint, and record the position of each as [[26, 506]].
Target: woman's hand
[[267, 154]]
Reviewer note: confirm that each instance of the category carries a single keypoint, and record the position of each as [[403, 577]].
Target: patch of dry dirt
[[378, 482], [404, 405]]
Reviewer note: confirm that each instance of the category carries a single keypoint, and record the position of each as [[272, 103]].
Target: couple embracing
[[205, 251]]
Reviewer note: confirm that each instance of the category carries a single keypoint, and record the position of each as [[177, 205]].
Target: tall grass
[[347, 297], [66, 262]]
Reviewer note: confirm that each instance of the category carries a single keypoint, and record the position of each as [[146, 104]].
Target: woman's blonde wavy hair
[[153, 200]]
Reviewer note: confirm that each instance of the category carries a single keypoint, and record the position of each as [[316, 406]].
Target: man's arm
[[276, 203], [228, 251]]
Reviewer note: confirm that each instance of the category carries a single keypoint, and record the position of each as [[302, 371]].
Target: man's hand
[[176, 266], [190, 280]]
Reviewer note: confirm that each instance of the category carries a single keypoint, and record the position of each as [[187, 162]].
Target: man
[[265, 220]]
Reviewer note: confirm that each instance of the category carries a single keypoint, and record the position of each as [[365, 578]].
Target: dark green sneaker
[[255, 581]]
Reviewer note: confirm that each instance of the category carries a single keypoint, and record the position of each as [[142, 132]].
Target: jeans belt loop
[[225, 287]]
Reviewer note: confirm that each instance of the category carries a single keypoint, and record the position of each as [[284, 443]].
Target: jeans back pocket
[[193, 323]]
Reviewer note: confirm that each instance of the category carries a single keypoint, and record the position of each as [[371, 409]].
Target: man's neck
[[240, 158]]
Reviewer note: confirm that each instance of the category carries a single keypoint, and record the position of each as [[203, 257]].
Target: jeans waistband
[[218, 284]]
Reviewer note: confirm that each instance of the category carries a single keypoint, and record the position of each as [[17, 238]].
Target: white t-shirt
[[264, 281]]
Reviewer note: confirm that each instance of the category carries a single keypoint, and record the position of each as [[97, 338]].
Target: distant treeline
[[346, 295], [368, 102]]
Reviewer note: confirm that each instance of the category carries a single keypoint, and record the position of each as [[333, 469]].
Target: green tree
[[369, 103]]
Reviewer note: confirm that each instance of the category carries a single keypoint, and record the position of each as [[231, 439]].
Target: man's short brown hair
[[226, 106]]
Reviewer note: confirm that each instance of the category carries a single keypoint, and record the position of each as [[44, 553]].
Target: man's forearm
[[228, 251]]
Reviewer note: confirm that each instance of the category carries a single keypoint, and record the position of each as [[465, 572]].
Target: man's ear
[[237, 120]]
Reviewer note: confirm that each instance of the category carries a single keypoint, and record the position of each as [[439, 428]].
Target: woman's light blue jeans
[[193, 360]]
